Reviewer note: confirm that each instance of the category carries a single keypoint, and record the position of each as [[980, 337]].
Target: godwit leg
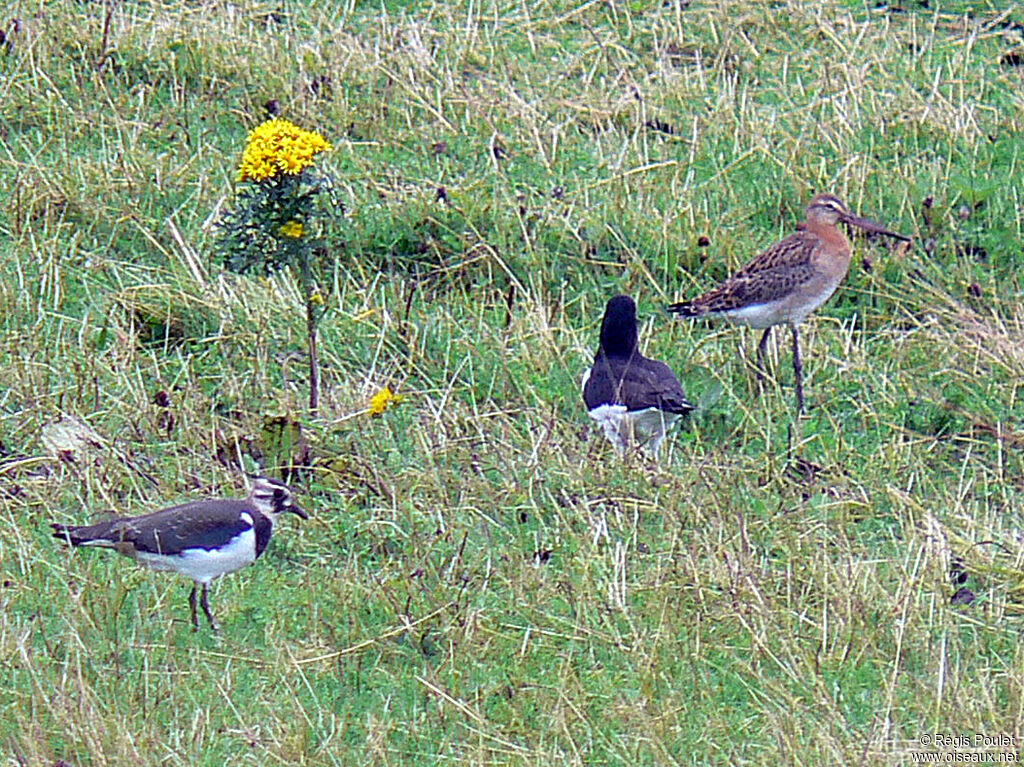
[[761, 348], [798, 370]]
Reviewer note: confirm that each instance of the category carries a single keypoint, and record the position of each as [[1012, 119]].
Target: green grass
[[481, 582]]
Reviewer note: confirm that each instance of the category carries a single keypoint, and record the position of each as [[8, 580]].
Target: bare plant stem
[[314, 363]]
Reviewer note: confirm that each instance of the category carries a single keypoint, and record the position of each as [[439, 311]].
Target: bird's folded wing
[[199, 525], [756, 288], [637, 386]]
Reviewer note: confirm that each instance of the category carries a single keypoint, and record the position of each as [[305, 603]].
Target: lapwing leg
[[192, 604], [205, 602], [761, 349], [798, 371]]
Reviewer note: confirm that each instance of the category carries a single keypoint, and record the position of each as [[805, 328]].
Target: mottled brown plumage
[[789, 280]]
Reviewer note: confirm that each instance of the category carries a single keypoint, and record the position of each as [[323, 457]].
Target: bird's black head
[[618, 330]]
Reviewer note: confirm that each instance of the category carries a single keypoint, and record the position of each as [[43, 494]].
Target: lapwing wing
[[789, 280], [631, 397], [201, 540]]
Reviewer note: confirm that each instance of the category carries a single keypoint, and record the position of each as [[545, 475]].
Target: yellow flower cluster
[[279, 146], [293, 230], [382, 400]]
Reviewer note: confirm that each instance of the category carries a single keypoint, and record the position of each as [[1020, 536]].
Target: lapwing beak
[[296, 510], [870, 226]]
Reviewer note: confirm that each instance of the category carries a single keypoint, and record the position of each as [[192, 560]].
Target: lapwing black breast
[[201, 540], [632, 397]]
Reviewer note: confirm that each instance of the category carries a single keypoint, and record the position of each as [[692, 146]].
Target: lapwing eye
[[278, 493]]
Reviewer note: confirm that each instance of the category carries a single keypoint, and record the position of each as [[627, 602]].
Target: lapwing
[[631, 397], [201, 540], [789, 280]]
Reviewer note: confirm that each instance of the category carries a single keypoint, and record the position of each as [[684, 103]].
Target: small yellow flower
[[317, 298], [293, 230], [291, 163], [279, 146], [382, 400]]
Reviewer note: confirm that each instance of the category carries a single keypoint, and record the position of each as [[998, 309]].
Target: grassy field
[[481, 581]]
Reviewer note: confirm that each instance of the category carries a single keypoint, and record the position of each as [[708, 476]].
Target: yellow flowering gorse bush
[[281, 215], [275, 218], [279, 146]]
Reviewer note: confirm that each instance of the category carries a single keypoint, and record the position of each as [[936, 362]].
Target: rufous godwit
[[789, 280]]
